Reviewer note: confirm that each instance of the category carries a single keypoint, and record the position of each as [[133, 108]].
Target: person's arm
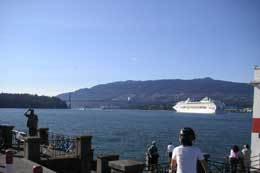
[[26, 113], [173, 161], [204, 165], [202, 160], [173, 165], [149, 152]]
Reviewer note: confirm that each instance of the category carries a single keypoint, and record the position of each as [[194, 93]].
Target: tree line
[[30, 101]]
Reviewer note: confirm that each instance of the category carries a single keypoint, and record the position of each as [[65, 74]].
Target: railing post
[[32, 148], [9, 167], [102, 163], [85, 153], [126, 166], [6, 132], [43, 133]]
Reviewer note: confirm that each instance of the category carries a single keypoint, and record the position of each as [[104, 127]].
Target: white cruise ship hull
[[204, 106], [196, 111]]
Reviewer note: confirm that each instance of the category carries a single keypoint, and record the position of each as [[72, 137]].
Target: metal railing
[[59, 145], [157, 168], [255, 161], [214, 166], [225, 166], [218, 166]]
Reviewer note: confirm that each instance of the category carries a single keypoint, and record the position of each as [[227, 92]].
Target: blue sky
[[53, 46]]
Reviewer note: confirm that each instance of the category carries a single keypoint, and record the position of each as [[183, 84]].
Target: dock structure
[[255, 136]]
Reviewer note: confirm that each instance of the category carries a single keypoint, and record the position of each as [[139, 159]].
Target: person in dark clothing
[[32, 122], [153, 154], [1, 140]]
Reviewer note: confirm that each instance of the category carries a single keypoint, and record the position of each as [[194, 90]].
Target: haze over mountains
[[137, 94]]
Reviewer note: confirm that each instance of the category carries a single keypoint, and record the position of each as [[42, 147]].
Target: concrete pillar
[[43, 133], [102, 163], [85, 153], [126, 166], [6, 133], [32, 148]]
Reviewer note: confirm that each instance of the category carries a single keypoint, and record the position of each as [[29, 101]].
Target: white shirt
[[170, 148], [246, 153], [186, 158], [234, 155]]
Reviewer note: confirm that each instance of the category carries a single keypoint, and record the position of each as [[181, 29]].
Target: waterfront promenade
[[21, 165]]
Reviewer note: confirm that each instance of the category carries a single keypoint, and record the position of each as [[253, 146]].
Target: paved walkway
[[21, 165]]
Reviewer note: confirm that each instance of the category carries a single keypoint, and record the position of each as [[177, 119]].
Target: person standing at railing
[[1, 140], [153, 156], [246, 157], [170, 148], [185, 156], [32, 122], [234, 158]]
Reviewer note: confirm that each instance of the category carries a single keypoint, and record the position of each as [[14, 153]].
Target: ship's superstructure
[[204, 106], [255, 136]]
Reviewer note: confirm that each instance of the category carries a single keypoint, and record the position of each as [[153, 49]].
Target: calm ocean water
[[129, 132]]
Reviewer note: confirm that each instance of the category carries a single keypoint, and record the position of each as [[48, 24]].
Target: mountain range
[[137, 94]]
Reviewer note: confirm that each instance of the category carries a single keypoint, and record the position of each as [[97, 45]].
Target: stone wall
[[64, 165]]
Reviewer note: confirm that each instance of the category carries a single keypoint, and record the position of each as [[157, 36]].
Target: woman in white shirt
[[170, 148], [185, 156]]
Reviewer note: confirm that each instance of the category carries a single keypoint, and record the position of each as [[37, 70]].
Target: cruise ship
[[204, 106]]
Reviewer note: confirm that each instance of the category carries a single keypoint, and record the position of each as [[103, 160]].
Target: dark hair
[[185, 142], [235, 148], [187, 135], [247, 146]]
